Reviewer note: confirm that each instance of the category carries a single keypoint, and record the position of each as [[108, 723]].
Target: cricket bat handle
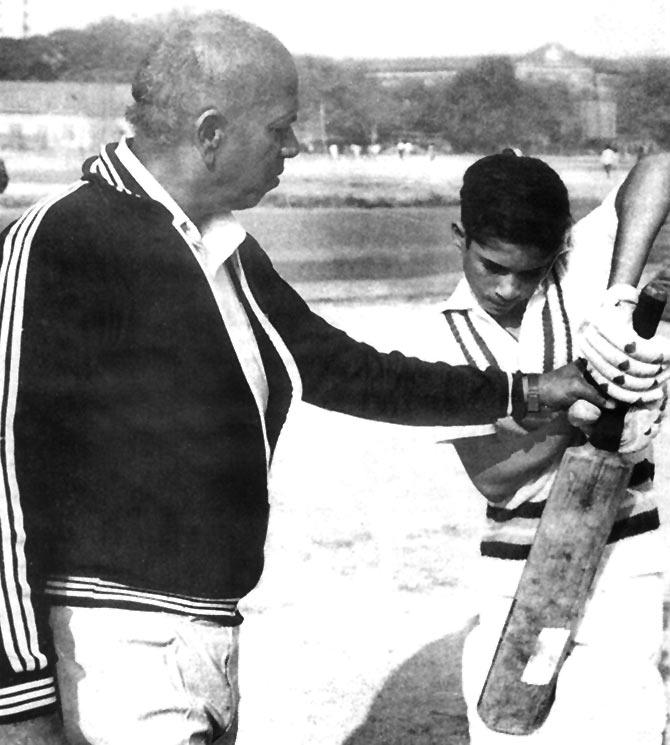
[[606, 434], [556, 581]]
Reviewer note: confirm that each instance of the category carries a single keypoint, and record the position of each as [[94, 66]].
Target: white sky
[[387, 28]]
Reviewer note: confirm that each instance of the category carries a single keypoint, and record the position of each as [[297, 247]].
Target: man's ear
[[210, 132], [458, 236]]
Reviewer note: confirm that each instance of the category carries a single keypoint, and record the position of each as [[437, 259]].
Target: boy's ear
[[458, 235]]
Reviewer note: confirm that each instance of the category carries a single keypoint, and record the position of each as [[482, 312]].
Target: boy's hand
[[626, 366], [561, 388], [641, 424]]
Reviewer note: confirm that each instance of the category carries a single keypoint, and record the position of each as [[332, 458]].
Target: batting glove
[[625, 366], [641, 424]]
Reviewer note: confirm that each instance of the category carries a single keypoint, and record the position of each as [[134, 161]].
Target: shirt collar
[[462, 298], [220, 237]]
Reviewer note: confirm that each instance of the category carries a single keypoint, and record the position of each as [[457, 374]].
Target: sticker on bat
[[544, 660]]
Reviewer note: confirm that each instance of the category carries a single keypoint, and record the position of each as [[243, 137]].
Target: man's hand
[[46, 730], [626, 366], [642, 422], [560, 388]]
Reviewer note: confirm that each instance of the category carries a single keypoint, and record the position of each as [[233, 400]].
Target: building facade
[[594, 92], [60, 115]]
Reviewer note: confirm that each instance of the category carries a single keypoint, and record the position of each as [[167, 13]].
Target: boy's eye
[[493, 268], [532, 273]]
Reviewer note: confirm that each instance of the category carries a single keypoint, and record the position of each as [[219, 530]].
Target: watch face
[[533, 396]]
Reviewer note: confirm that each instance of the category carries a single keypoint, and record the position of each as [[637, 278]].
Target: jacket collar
[[119, 167]]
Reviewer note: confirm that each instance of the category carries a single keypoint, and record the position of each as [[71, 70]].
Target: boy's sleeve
[[27, 687]]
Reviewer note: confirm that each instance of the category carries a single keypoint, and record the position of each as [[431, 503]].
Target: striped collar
[[122, 169], [148, 184], [545, 339]]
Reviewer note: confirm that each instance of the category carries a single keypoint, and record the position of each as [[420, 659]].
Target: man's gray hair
[[200, 61]]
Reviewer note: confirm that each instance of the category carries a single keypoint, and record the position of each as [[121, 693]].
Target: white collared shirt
[[216, 245]]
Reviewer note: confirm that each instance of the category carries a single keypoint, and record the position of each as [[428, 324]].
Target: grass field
[[354, 635], [318, 181]]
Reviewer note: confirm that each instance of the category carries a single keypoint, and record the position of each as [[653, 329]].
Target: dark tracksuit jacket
[[133, 469]]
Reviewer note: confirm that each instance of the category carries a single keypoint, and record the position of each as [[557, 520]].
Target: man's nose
[[291, 147]]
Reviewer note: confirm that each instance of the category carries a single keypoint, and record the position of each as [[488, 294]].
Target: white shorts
[[609, 690], [135, 677]]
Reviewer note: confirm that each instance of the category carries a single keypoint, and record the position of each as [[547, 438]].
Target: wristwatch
[[531, 391]]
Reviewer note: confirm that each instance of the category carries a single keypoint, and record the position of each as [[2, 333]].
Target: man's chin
[[252, 198]]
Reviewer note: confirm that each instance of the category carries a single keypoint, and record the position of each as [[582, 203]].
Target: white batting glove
[[624, 365], [641, 424]]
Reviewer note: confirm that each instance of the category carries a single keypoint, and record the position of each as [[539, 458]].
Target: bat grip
[[607, 431]]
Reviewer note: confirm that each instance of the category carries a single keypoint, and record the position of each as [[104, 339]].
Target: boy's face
[[503, 275]]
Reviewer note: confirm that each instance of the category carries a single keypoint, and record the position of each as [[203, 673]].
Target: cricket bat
[[563, 560]]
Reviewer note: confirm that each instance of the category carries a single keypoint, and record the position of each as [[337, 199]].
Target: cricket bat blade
[[549, 602]]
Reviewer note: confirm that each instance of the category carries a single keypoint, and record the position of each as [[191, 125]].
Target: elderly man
[[150, 355]]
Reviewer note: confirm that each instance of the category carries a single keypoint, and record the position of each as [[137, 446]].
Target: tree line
[[483, 107]]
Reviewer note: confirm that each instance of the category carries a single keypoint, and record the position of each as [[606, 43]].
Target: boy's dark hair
[[516, 199]]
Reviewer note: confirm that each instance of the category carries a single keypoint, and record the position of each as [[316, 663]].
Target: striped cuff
[[28, 700], [94, 592]]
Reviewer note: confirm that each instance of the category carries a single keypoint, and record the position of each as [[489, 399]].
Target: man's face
[[503, 275], [258, 142]]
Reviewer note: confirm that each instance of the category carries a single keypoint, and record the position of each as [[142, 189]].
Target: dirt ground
[[355, 633]]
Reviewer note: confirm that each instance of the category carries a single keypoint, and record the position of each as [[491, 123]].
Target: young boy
[[530, 279]]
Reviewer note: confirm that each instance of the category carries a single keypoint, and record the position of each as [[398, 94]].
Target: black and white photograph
[[334, 362]]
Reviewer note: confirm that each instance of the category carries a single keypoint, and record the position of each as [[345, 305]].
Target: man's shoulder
[[253, 257], [78, 213], [59, 212]]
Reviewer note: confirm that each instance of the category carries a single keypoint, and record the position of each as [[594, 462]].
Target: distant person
[[516, 151], [355, 149], [400, 147], [608, 159], [527, 286], [334, 151], [4, 177], [151, 353], [431, 151]]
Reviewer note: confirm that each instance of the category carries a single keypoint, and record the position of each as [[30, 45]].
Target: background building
[[64, 115], [593, 91]]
